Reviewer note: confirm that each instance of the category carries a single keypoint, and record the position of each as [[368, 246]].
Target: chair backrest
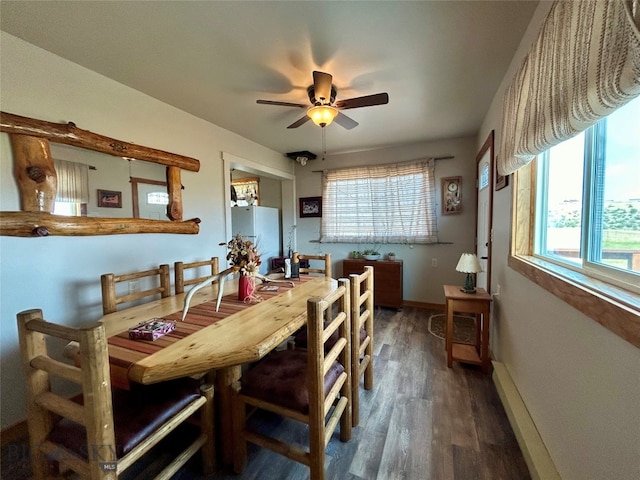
[[112, 295], [196, 268], [325, 316], [275, 384], [96, 413], [313, 260], [81, 433], [361, 345]]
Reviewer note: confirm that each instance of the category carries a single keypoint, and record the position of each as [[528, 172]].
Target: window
[[588, 200], [158, 198], [73, 188], [380, 204]]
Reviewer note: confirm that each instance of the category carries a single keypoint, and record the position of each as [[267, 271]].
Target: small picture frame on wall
[[310, 207], [109, 199], [501, 180], [451, 195]]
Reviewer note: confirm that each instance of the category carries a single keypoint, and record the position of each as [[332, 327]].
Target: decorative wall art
[[451, 195], [501, 180], [109, 199], [311, 207]]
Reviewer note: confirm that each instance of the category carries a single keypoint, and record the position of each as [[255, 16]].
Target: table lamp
[[469, 264]]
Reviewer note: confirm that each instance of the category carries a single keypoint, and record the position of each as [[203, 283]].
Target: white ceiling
[[441, 62]]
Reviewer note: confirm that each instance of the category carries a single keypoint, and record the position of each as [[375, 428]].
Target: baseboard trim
[[539, 462], [15, 433]]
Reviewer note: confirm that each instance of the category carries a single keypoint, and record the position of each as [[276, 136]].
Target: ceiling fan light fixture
[[322, 115]]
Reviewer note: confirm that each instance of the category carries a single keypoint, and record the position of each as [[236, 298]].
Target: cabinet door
[[387, 280]]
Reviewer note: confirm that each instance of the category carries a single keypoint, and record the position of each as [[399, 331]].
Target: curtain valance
[[584, 65]]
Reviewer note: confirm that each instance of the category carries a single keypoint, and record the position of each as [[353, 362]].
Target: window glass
[[588, 199], [563, 181], [617, 192], [158, 198]]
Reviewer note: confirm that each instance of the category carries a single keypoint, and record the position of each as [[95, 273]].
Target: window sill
[[614, 308]]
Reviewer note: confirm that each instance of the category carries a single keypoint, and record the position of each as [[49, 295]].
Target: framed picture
[[501, 180], [451, 195], [109, 199], [310, 207]]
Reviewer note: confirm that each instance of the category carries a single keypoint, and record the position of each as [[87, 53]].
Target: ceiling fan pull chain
[[324, 143]]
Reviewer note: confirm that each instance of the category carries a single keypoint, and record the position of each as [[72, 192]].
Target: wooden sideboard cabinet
[[387, 279]]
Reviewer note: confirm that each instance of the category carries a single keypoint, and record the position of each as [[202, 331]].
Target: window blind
[[392, 203]]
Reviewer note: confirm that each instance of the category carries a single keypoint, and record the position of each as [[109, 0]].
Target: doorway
[[232, 162], [485, 165]]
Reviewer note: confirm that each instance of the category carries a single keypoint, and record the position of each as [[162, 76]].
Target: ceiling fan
[[324, 109]]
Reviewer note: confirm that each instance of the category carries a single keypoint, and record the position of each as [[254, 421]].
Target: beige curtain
[[73, 182], [392, 203], [584, 65]]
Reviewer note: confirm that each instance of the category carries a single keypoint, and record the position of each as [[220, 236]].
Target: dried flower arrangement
[[243, 256]]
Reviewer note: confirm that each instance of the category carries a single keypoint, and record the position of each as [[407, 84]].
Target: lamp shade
[[322, 115], [468, 263]]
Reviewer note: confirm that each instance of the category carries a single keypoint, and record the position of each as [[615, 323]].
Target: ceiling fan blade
[[283, 104], [344, 121], [322, 86], [299, 122], [366, 101]]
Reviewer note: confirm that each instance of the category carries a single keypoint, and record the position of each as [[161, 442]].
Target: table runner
[[198, 317]]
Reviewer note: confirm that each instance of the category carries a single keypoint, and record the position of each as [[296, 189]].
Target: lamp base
[[469, 284]]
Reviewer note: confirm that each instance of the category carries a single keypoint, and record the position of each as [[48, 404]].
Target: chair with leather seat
[[313, 261], [307, 386], [103, 431], [113, 294], [209, 267], [362, 336]]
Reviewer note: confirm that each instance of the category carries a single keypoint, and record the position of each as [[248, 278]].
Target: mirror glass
[[96, 184], [244, 190]]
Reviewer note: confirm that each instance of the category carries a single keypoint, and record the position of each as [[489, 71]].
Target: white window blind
[[392, 203]]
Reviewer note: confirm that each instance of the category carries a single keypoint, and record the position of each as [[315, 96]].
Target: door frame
[[488, 146], [135, 181]]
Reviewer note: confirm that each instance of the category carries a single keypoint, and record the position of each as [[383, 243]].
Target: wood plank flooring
[[422, 420]]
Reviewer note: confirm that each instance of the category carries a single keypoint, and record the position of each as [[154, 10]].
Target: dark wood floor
[[421, 421]]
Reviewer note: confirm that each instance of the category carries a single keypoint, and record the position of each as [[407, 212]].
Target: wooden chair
[[102, 432], [302, 385], [361, 336], [313, 259], [196, 269], [111, 297]]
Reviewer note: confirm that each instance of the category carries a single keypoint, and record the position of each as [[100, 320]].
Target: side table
[[479, 304]]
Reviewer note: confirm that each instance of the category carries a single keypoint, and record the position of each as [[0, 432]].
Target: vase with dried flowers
[[245, 259]]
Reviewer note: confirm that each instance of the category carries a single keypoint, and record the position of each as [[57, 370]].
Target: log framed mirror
[[37, 180]]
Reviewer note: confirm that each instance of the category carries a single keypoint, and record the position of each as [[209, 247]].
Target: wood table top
[[455, 292], [238, 333]]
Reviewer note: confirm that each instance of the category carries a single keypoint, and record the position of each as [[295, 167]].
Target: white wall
[[61, 275], [580, 382], [421, 281]]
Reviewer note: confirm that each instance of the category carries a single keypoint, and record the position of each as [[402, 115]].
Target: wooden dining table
[[238, 333]]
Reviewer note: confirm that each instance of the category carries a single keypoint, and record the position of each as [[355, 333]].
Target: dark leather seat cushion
[[137, 414], [301, 339], [282, 378]]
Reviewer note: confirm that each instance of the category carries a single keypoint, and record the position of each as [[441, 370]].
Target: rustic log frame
[[36, 178]]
